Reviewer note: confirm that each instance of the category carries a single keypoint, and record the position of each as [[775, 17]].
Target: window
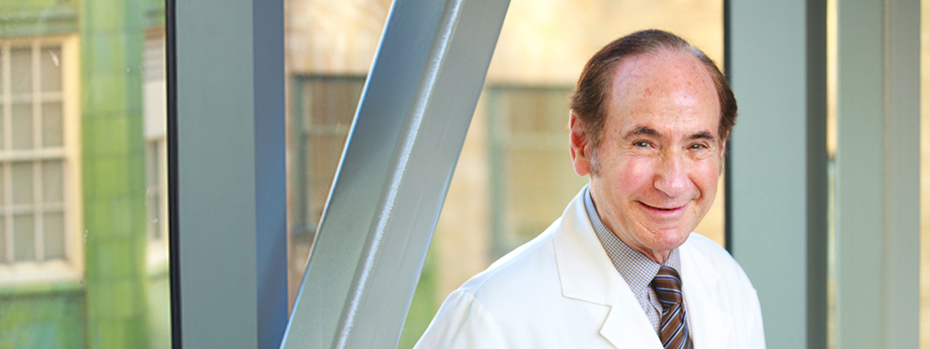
[[321, 123], [37, 151], [156, 149], [528, 128], [323, 109]]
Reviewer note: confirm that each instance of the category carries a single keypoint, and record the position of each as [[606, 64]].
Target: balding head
[[589, 100]]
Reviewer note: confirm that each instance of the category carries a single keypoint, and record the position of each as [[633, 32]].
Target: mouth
[[663, 210]]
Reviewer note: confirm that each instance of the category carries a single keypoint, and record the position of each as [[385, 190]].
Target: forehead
[[666, 87]]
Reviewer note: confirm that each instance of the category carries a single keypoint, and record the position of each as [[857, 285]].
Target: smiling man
[[621, 268]]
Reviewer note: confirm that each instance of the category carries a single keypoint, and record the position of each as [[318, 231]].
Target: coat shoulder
[[530, 266], [713, 253]]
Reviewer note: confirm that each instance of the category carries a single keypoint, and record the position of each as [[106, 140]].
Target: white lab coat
[[560, 290]]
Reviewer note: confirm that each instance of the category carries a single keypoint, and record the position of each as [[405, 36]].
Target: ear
[[578, 142]]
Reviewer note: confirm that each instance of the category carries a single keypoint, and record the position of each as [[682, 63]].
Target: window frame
[[154, 112], [500, 142], [71, 269]]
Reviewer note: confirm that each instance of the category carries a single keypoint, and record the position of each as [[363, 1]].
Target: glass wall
[[83, 201], [925, 174], [514, 175]]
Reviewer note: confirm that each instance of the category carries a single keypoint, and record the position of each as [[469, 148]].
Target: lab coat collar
[[710, 325], [586, 274]]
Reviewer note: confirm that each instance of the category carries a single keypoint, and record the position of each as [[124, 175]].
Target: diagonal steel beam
[[394, 174]]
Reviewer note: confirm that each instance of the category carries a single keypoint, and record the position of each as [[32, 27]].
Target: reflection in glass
[[52, 127], [50, 58], [52, 182], [24, 241], [3, 241], [4, 201], [514, 174], [21, 75], [23, 183], [53, 235], [22, 126], [3, 127], [76, 266]]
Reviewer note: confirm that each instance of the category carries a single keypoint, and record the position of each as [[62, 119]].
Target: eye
[[641, 144], [697, 146]]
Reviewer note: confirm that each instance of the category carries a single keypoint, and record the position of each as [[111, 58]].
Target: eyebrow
[[702, 135], [643, 130]]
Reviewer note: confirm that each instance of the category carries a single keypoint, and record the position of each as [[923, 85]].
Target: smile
[[663, 210]]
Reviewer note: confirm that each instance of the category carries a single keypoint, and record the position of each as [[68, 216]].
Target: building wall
[[43, 317]]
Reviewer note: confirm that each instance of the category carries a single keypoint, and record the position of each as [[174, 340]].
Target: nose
[[671, 175]]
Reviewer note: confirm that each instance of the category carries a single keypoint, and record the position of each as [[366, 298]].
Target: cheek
[[705, 175], [633, 175]]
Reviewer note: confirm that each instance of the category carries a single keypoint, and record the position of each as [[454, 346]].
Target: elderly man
[[621, 268]]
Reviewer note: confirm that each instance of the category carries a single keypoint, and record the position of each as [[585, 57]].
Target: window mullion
[[37, 211]]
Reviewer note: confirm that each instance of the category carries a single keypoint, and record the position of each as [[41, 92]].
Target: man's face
[[660, 155]]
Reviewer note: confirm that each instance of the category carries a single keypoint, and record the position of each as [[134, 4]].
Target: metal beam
[[778, 177], [227, 182], [878, 180], [394, 174]]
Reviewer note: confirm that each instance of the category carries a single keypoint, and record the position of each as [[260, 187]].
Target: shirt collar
[[635, 268]]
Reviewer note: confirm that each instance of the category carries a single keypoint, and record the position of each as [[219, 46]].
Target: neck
[[656, 256]]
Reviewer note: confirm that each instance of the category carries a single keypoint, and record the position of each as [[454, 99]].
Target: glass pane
[[536, 199], [152, 169], [21, 70], [22, 126], [2, 91], [515, 165], [84, 196], [53, 226], [327, 106], [153, 190], [153, 210], [329, 50], [52, 181], [23, 183], [24, 241], [3, 237], [3, 185], [3, 117], [52, 127], [50, 58]]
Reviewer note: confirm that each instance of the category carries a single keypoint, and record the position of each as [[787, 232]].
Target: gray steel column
[[877, 181], [226, 143], [778, 176], [395, 171]]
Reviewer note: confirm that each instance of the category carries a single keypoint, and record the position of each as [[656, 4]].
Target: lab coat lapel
[[586, 274], [710, 325], [627, 326]]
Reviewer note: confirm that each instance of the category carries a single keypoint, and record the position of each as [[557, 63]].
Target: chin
[[667, 240]]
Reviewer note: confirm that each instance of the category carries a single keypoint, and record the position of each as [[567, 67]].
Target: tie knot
[[667, 285]]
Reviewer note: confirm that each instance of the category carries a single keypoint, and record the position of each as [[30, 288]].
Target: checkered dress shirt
[[637, 269]]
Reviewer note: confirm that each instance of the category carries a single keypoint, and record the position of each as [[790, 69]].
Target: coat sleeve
[[462, 322]]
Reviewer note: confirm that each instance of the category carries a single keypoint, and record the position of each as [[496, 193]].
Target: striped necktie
[[673, 331]]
